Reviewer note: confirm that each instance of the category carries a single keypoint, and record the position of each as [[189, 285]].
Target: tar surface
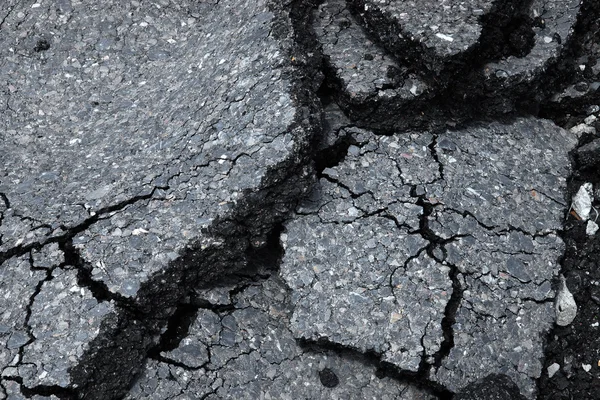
[[303, 199]]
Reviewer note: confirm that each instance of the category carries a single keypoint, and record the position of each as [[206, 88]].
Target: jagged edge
[[118, 352]]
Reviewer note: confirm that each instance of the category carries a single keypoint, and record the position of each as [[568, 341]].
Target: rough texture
[[140, 139], [64, 319], [367, 76], [246, 351], [153, 154], [376, 262], [19, 284]]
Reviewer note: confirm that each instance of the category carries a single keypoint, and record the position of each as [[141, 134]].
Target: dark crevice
[[576, 344], [434, 154], [71, 232], [507, 30], [4, 199], [216, 308], [435, 242], [326, 93], [262, 262], [265, 258], [85, 279], [332, 156], [383, 369], [453, 304], [10, 10], [449, 318], [43, 390], [178, 327]]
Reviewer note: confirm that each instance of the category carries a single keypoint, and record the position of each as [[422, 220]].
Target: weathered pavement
[[281, 200]]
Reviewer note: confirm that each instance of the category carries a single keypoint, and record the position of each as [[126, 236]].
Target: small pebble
[[591, 228], [586, 367], [580, 129], [566, 308], [590, 120], [582, 201], [553, 369]]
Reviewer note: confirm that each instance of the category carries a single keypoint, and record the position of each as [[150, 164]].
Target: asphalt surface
[[362, 199]]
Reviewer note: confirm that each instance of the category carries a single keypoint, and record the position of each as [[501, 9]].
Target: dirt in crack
[[383, 369], [436, 250], [262, 263], [575, 348]]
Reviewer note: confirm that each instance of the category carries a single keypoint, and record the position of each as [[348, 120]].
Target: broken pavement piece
[[171, 165], [108, 142], [552, 35], [506, 299], [428, 33], [65, 317], [482, 249], [358, 286], [553, 369], [566, 307], [18, 285], [253, 355], [369, 80]]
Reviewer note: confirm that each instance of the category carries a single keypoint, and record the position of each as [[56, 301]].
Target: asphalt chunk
[[441, 259], [143, 140], [253, 354]]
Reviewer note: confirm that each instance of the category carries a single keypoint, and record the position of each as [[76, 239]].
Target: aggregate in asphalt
[[299, 199]]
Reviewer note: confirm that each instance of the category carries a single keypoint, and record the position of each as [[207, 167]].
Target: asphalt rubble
[[300, 199]]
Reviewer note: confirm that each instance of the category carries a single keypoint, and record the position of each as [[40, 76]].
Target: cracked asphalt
[[300, 199]]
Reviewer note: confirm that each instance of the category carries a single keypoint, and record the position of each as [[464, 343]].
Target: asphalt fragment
[[359, 257]]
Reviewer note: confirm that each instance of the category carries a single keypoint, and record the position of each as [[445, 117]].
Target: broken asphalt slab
[[149, 149], [367, 80], [510, 51], [442, 261], [242, 348], [138, 140]]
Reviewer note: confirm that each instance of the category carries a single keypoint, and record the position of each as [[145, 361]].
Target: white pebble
[[582, 201], [445, 37], [586, 367], [566, 308], [590, 120], [580, 129], [591, 228], [553, 369]]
